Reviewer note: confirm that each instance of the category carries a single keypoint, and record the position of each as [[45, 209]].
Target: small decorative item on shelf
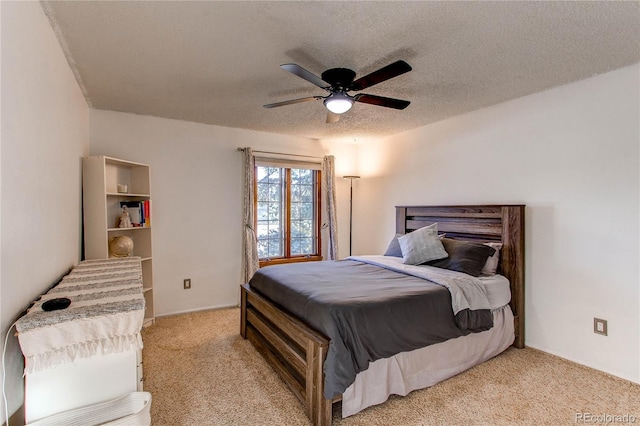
[[136, 212], [125, 218], [123, 188], [120, 246]]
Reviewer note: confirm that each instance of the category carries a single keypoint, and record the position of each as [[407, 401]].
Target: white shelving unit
[[101, 199]]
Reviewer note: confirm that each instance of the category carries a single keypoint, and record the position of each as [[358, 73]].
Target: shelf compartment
[[134, 175], [141, 239], [114, 210], [147, 274], [148, 309]]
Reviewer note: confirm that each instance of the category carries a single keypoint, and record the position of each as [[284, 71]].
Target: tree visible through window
[[287, 213]]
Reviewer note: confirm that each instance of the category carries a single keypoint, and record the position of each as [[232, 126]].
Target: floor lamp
[[351, 179]]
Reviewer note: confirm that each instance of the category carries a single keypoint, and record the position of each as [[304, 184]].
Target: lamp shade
[[338, 103]]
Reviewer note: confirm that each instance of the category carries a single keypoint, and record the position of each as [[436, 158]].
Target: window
[[287, 214]]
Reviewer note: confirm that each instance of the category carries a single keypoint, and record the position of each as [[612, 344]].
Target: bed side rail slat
[[262, 347], [291, 326], [291, 356]]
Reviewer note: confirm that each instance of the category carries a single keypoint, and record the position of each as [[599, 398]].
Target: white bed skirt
[[427, 366]]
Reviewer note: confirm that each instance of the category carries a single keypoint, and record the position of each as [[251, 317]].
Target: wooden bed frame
[[297, 352]]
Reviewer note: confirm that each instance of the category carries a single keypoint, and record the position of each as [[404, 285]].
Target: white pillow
[[421, 245], [491, 265]]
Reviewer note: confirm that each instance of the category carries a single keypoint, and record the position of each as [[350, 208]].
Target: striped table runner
[[105, 315]]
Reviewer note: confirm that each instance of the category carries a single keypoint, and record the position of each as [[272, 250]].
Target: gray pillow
[[421, 245], [394, 247], [464, 256]]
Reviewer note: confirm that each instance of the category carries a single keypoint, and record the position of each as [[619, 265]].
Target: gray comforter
[[369, 311]]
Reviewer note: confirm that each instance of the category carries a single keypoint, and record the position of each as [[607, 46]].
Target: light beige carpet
[[201, 372]]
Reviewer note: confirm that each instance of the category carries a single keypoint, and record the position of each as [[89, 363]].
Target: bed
[[298, 352]]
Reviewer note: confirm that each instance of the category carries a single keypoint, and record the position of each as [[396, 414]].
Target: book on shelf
[[147, 212]]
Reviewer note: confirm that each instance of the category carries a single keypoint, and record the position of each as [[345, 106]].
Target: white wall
[[45, 133], [571, 154], [196, 188]]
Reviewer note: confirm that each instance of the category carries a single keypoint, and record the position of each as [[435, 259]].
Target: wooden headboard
[[481, 223]]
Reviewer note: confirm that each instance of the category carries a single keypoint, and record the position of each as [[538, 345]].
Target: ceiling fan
[[340, 81]]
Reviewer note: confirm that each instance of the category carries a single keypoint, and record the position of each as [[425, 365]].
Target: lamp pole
[[351, 178]]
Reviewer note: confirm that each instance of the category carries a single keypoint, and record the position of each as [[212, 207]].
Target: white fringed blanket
[[105, 315]]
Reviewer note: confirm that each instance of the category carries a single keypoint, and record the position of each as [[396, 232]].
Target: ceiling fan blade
[[302, 73], [381, 101], [332, 117], [385, 73], [292, 101]]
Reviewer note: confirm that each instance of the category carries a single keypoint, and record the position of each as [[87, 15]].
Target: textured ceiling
[[218, 62]]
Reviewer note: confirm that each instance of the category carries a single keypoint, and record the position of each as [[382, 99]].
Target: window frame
[[288, 258]]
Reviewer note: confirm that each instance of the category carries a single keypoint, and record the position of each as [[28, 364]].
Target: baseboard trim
[[190, 311], [582, 363]]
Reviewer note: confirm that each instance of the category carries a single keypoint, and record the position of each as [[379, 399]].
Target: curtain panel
[[329, 183], [250, 262]]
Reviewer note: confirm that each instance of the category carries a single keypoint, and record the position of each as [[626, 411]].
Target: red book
[[147, 213]]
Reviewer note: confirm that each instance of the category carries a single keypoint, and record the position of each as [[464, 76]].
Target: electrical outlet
[[187, 283], [600, 326]]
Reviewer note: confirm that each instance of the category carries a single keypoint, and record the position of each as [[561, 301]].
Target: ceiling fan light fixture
[[338, 103]]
